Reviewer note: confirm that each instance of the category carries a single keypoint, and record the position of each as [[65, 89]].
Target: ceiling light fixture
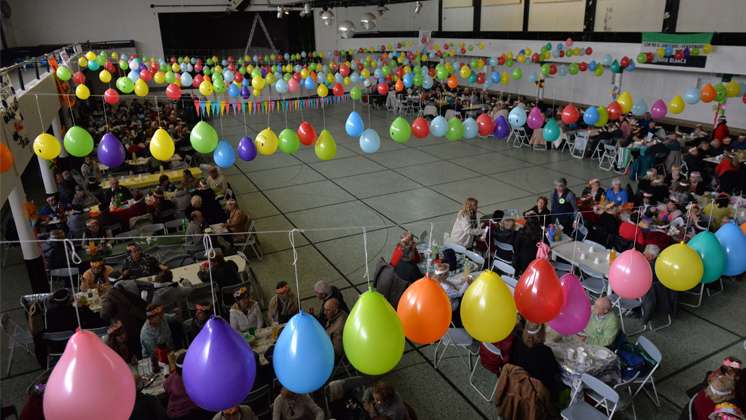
[[417, 7], [306, 10], [326, 16]]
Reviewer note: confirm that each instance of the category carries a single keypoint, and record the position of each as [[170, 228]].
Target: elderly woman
[[465, 226], [238, 221], [593, 191], [536, 358], [245, 313], [216, 181], [564, 204]]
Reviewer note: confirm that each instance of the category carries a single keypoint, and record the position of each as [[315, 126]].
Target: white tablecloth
[[593, 259], [600, 362]]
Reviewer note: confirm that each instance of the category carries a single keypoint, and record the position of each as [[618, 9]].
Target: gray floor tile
[[341, 168], [725, 309], [485, 190], [240, 184], [453, 150], [308, 155], [412, 205], [534, 179], [306, 196], [490, 163], [376, 183], [436, 173], [347, 253], [284, 177], [402, 158], [256, 205], [260, 163], [354, 213], [276, 237], [584, 169]]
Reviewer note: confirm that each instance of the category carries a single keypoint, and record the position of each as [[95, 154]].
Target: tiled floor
[[413, 186]]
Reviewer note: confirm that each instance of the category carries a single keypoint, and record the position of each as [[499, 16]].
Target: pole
[[31, 250]]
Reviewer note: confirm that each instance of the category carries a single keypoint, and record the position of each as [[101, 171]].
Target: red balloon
[[344, 70], [552, 69], [307, 133], [109, 66], [614, 110], [588, 51], [485, 125], [146, 75], [624, 62], [78, 77], [338, 89], [583, 66], [420, 128], [538, 294], [197, 80], [173, 91], [501, 60], [562, 53], [383, 88], [744, 98], [111, 96], [535, 57], [649, 57], [570, 114]]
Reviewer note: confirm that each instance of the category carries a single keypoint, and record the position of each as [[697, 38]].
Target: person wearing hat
[[53, 208], [163, 208], [593, 191], [155, 331], [245, 314], [325, 291], [719, 389], [405, 249], [530, 353], [564, 205], [237, 412], [283, 305], [216, 181], [505, 232], [76, 222], [96, 277], [617, 195], [727, 411], [93, 234], [193, 325], [224, 272], [117, 340]]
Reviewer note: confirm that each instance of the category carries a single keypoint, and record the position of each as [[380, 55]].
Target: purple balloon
[[245, 93], [659, 109], [502, 129], [219, 367], [576, 310], [535, 118], [246, 149], [110, 151]]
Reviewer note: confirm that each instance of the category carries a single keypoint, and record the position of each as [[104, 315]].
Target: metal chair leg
[[476, 388], [699, 300]]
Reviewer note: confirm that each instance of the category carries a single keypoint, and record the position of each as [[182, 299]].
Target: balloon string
[[712, 208], [637, 226], [575, 234], [72, 115], [686, 226], [323, 113], [71, 255], [245, 129], [365, 251], [430, 247], [291, 239], [157, 110], [210, 254], [38, 109], [106, 119]]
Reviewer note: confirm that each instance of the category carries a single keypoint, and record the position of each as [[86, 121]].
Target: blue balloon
[[355, 77], [370, 141], [517, 117], [495, 76], [134, 75], [303, 358], [186, 79], [408, 80], [562, 70], [354, 125], [427, 82], [338, 78], [438, 126], [590, 116], [309, 83], [631, 66], [470, 128], [281, 86], [224, 155], [234, 90], [183, 67], [691, 96], [639, 107], [378, 73], [733, 242], [493, 61], [592, 65], [93, 65], [607, 60], [228, 76], [668, 50], [532, 77]]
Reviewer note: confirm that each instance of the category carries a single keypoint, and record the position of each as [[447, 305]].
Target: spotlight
[[326, 17], [417, 7], [368, 21], [306, 10]]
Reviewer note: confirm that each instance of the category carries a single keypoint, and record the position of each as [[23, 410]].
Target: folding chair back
[[503, 267]]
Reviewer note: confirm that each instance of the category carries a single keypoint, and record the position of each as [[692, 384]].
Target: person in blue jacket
[[616, 194]]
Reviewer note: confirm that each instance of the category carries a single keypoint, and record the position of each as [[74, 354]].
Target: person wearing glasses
[[238, 412]]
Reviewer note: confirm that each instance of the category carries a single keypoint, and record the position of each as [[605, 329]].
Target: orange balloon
[[6, 158], [452, 82], [399, 86], [743, 228], [425, 311], [707, 94]]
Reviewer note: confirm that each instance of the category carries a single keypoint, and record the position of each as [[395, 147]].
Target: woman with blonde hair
[[465, 226]]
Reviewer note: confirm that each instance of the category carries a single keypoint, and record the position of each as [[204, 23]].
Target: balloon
[[630, 275], [551, 130], [453, 82], [306, 133], [78, 142], [218, 351], [162, 145], [517, 117], [303, 358], [470, 128], [356, 93], [370, 141], [266, 142], [576, 310], [110, 151], [46, 146], [383, 89], [246, 149], [625, 101], [373, 336], [63, 73], [691, 96], [640, 107], [203, 137], [141, 88], [6, 158], [420, 128], [603, 116], [354, 125], [281, 86], [707, 94], [89, 382], [676, 105], [502, 129], [487, 308], [206, 88], [425, 311], [399, 131], [535, 118], [733, 242], [78, 77], [570, 114], [125, 85], [614, 110], [82, 92], [173, 91], [538, 294], [485, 124], [732, 88], [659, 109], [325, 147], [185, 79], [289, 141], [590, 116], [223, 155], [679, 267], [455, 129], [438, 126], [322, 91], [720, 93], [713, 256]]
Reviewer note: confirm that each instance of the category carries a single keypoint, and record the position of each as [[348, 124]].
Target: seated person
[[216, 181], [83, 198], [96, 277], [324, 291], [245, 314], [195, 229], [405, 250], [164, 183], [237, 412], [188, 180], [617, 194], [720, 389], [163, 209], [382, 400], [117, 340], [540, 211], [180, 406], [115, 193], [506, 233], [224, 272], [530, 353], [155, 331], [138, 264], [54, 251], [181, 200], [61, 315], [524, 245], [209, 205], [291, 406], [170, 294], [98, 237], [718, 210], [76, 222], [53, 209], [603, 327], [193, 325], [593, 191], [237, 222], [335, 323], [283, 305]]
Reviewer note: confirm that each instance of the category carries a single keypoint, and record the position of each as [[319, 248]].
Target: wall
[[629, 15], [503, 16], [711, 15], [557, 16]]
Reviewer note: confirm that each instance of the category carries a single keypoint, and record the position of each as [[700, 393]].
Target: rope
[[106, 119], [637, 226], [210, 254], [70, 249], [291, 238], [430, 247], [365, 251], [712, 208]]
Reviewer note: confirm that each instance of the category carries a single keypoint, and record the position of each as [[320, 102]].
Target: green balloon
[[400, 130], [373, 337], [219, 85], [170, 77], [573, 68], [418, 79], [206, 70], [203, 137], [356, 93], [713, 256], [545, 69], [78, 142], [509, 62], [123, 65], [125, 85], [255, 73], [455, 129], [721, 93], [441, 73], [289, 141], [63, 73], [517, 73], [642, 58]]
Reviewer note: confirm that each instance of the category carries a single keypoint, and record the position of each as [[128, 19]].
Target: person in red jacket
[[405, 250], [721, 129]]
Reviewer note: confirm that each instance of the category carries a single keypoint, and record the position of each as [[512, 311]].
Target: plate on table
[[603, 353]]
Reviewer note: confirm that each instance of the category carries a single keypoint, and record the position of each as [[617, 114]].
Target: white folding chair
[[655, 354], [581, 410], [459, 249], [593, 282], [496, 351], [252, 242], [454, 337], [624, 307], [153, 229], [580, 144], [511, 282], [501, 267], [475, 258], [519, 138], [608, 157], [598, 151], [506, 247]]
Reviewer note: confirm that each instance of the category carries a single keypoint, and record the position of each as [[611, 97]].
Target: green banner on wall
[[684, 39], [684, 50]]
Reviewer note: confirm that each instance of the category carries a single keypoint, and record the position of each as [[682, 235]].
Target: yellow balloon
[[346, 80], [625, 101], [90, 55], [707, 48], [258, 83], [82, 92], [205, 88], [488, 310], [82, 62], [329, 78], [104, 76], [732, 88], [256, 92], [322, 90], [325, 147], [679, 267], [162, 145], [115, 55], [46, 146], [141, 88], [661, 52], [304, 73], [465, 72], [676, 105], [266, 142], [175, 67], [365, 73], [521, 59], [159, 77], [271, 78], [504, 78]]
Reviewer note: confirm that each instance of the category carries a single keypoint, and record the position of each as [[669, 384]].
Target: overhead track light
[[417, 7]]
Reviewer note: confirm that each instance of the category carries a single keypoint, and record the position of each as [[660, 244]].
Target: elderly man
[[335, 323], [603, 327], [193, 326], [324, 291], [216, 181], [115, 193], [283, 304], [138, 264]]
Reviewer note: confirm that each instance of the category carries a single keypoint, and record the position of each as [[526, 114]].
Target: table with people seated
[[149, 180], [262, 340], [591, 258], [576, 358]]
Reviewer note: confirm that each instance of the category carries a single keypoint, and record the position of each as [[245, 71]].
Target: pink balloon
[[576, 310], [535, 118], [293, 86], [89, 382], [659, 109], [630, 275]]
